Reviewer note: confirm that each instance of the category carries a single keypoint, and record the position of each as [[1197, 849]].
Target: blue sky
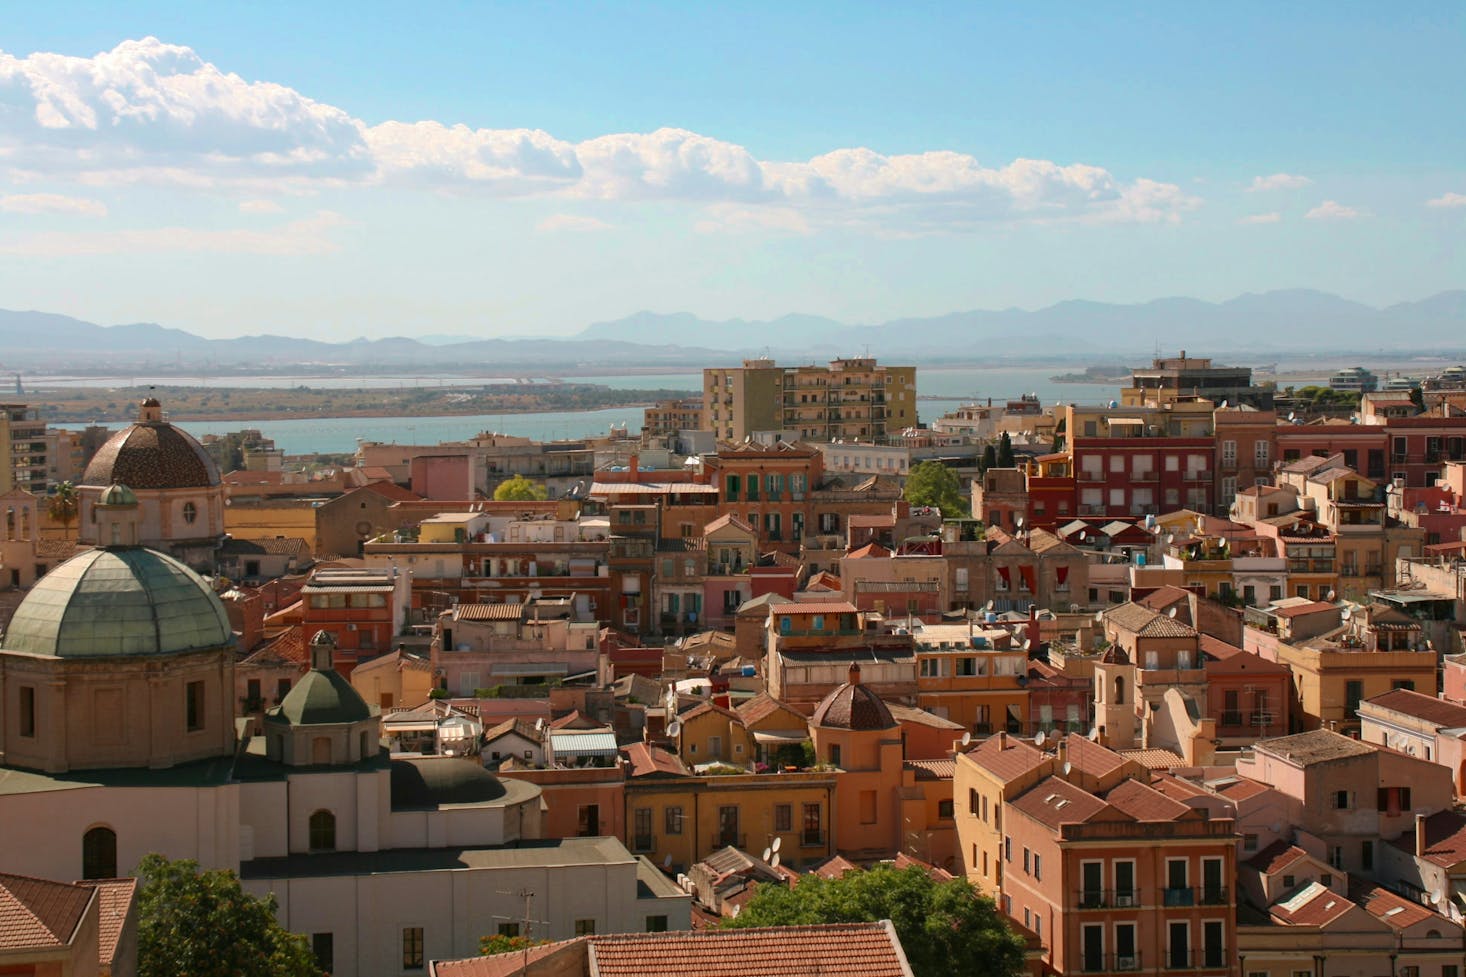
[[519, 169]]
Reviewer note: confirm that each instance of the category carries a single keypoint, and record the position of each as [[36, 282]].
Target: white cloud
[[1272, 218], [52, 203], [571, 222], [1448, 200], [149, 112], [306, 236], [260, 206], [1332, 210], [1278, 181]]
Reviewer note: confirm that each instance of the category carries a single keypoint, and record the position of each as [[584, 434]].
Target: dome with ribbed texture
[[152, 454], [117, 603], [853, 706], [321, 698]]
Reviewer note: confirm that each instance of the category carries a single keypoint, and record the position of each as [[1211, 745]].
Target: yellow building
[[268, 519], [853, 397], [686, 818], [987, 777], [707, 733]]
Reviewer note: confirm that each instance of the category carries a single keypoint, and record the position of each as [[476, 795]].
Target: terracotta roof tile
[[761, 707], [1144, 621], [813, 607], [116, 905], [1390, 908], [1314, 746], [834, 867], [1053, 802], [1244, 789], [1006, 757], [1155, 759], [1445, 839], [287, 646], [1276, 857], [1439, 712], [38, 913], [1089, 757], [1314, 905], [650, 761], [833, 950], [1144, 803], [933, 769]]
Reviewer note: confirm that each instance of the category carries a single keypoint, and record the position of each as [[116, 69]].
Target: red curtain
[[1061, 574], [1007, 580], [1028, 574]]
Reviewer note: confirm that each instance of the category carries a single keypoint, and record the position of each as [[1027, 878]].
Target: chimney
[[634, 466], [1062, 751], [855, 673], [1002, 739], [1420, 844]]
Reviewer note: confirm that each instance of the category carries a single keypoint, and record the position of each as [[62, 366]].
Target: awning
[[778, 737], [583, 744], [417, 727]]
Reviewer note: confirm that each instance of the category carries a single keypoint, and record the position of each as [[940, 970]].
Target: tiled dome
[[853, 706], [152, 454], [118, 603]]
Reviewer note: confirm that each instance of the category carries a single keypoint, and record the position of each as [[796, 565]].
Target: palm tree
[[61, 506]]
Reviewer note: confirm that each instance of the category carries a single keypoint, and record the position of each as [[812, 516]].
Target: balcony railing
[[1107, 898], [1109, 963], [1209, 895]]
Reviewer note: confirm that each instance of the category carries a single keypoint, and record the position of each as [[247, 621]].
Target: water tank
[[749, 671], [1140, 559], [991, 618]]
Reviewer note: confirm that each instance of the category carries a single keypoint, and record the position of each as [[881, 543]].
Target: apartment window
[[412, 957], [1178, 945], [1249, 842], [1125, 883], [1289, 881], [656, 924], [1261, 454], [193, 702], [1092, 947], [1341, 800], [585, 927], [974, 806], [324, 950], [1213, 884], [1027, 860], [733, 484], [1229, 452], [1450, 970], [27, 711], [1178, 888], [783, 817], [931, 668], [966, 666], [672, 820], [1007, 849], [641, 836], [1213, 951], [589, 820], [1038, 866], [1366, 855], [509, 929], [1126, 956], [835, 754], [944, 810], [811, 834], [1336, 856], [1353, 693]]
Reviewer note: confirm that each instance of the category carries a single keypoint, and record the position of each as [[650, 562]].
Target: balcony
[[1106, 899], [1199, 475], [1089, 476], [1109, 963], [1210, 895], [1149, 476]]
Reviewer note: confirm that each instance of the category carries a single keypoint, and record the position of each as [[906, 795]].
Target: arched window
[[1119, 690], [323, 831], [190, 512], [99, 854]]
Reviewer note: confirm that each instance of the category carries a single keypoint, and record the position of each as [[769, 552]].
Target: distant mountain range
[[1294, 321]]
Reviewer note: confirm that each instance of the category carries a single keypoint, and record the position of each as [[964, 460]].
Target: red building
[[1136, 476], [363, 608]]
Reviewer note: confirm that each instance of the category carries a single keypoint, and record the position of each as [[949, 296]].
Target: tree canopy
[[946, 928], [519, 489], [1005, 451], [205, 925], [933, 483], [61, 506]]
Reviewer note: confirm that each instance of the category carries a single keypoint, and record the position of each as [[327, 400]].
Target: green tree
[[945, 927], [519, 489], [204, 924], [989, 457], [1005, 451], [933, 483], [61, 506], [1417, 397]]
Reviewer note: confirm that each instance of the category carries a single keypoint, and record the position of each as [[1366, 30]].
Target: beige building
[[852, 398]]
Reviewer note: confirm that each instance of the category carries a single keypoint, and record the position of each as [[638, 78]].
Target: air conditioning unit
[[1125, 963], [351, 627], [1125, 900]]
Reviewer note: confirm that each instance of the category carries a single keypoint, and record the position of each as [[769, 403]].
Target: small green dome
[[117, 603], [117, 495], [321, 698]]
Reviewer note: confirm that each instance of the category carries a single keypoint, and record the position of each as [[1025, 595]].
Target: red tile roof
[[1445, 839], [1006, 757], [1314, 905], [1298, 610], [869, 551], [1155, 759], [1438, 712], [1276, 857], [833, 950], [834, 867], [116, 905], [1392, 909], [1053, 802], [938, 874], [1089, 757], [39, 913], [813, 607], [1244, 789], [1144, 803], [650, 761]]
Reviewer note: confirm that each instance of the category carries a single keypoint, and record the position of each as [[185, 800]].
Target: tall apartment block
[[852, 398]]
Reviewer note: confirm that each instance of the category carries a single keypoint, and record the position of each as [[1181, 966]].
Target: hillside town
[[1177, 681]]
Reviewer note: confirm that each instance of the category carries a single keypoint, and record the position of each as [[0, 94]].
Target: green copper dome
[[321, 698], [116, 603]]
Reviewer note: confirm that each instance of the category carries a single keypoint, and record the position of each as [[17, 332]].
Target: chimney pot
[[1420, 845]]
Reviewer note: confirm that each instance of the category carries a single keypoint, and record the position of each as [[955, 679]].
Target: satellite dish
[[1094, 735], [1171, 612], [1170, 538], [1224, 405], [1073, 608], [1038, 738], [1018, 522], [991, 605], [1068, 767], [1083, 535], [674, 728], [966, 738], [667, 862], [1347, 614], [1099, 617], [778, 843], [1292, 415], [767, 853], [775, 862], [1330, 595]]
